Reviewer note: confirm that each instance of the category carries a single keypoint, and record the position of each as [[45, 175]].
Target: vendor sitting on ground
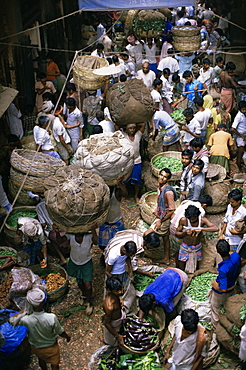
[[166, 291], [188, 343], [189, 229], [34, 239], [114, 315]]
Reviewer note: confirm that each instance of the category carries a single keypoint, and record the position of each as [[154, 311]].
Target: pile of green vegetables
[[139, 335], [130, 362], [177, 115], [173, 164], [141, 282], [243, 312], [13, 219], [157, 25], [200, 285], [6, 253]]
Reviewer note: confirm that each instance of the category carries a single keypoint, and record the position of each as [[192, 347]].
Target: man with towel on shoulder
[[44, 329]]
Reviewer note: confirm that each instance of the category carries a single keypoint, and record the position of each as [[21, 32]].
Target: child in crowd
[[206, 74], [155, 93], [220, 66], [200, 152], [167, 93]]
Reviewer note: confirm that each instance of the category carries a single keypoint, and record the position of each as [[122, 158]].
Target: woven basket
[[32, 183], [83, 76], [43, 166], [148, 203], [192, 43], [60, 292], [10, 232], [215, 172], [82, 228], [23, 198], [130, 17], [185, 31], [176, 176]]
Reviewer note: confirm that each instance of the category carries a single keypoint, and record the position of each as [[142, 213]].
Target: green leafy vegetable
[[13, 218], [173, 164], [177, 115], [200, 285]]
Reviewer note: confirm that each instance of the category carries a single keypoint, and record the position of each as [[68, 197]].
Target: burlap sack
[[130, 102], [150, 181], [76, 199], [149, 15], [232, 308], [240, 226], [108, 155], [227, 340], [218, 192]]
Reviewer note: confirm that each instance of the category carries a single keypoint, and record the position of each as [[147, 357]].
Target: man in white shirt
[[130, 65], [42, 138], [206, 74], [135, 50], [192, 128], [169, 62], [150, 49], [133, 136], [239, 129], [203, 116], [235, 211], [107, 126], [155, 93], [99, 51], [146, 75], [188, 343], [61, 136], [116, 260]]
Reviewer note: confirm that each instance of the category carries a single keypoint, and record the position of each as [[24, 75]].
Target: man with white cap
[[34, 239], [134, 136], [44, 329]]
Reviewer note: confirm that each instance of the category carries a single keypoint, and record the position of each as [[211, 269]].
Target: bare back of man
[[112, 307]]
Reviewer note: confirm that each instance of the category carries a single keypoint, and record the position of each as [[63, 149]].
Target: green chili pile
[[13, 219], [173, 164], [200, 285], [141, 282]]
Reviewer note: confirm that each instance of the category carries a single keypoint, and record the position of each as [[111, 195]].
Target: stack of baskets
[[83, 74], [42, 167], [186, 38]]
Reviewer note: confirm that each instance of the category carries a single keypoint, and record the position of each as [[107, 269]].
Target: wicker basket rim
[[60, 267], [19, 209]]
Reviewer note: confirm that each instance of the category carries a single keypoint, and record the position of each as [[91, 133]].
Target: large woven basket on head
[[23, 197], [147, 204], [83, 72], [130, 17], [32, 183], [11, 232], [60, 292], [76, 199], [191, 43], [42, 166], [175, 175], [185, 31]]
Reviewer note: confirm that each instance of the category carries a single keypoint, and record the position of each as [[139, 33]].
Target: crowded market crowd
[[207, 90]]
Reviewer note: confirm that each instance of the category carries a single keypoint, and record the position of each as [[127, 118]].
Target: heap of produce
[[13, 218], [140, 335], [200, 286], [149, 23], [173, 164], [130, 362], [54, 281], [177, 115], [4, 290], [141, 282]]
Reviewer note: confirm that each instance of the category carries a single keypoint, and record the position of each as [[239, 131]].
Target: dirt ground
[[86, 332]]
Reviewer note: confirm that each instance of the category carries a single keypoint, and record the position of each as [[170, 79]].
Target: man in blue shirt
[[223, 285], [166, 291], [193, 89]]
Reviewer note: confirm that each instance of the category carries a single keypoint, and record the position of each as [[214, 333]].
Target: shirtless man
[[227, 84], [112, 306], [189, 229]]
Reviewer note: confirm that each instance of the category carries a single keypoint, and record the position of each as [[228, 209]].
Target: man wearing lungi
[[170, 127]]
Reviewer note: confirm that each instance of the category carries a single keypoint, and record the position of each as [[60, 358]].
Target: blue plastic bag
[[13, 336]]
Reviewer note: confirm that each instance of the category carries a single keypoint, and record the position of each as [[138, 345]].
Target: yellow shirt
[[219, 142]]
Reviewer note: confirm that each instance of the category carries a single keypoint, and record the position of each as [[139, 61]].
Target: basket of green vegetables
[[6, 254], [177, 116], [171, 160], [11, 225]]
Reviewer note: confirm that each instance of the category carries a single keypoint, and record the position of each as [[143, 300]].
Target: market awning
[[7, 95], [103, 5]]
